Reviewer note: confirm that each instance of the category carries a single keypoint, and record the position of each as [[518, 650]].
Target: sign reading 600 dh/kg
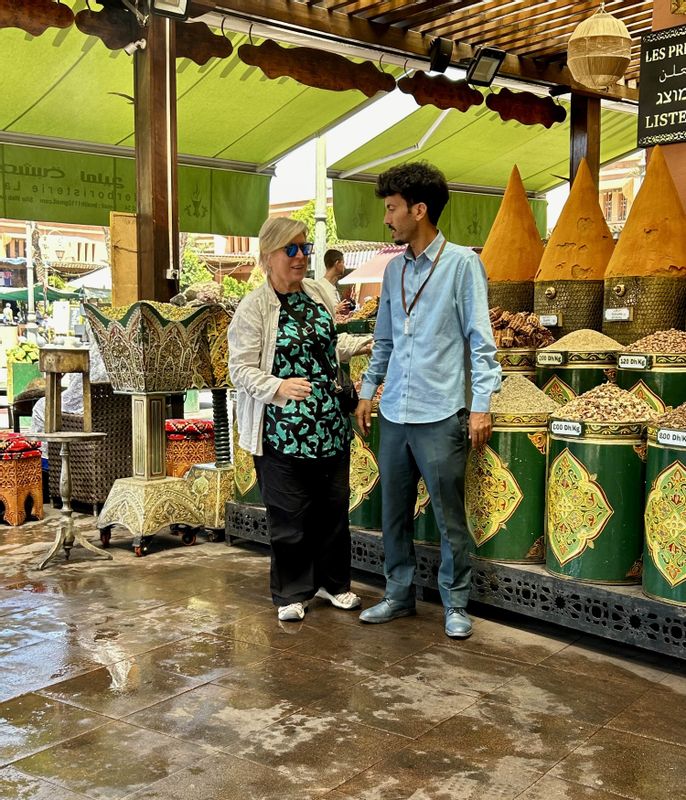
[[662, 94]]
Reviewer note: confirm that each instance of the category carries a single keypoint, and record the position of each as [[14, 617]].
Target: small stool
[[189, 442], [20, 477]]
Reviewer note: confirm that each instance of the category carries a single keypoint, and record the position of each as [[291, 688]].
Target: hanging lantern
[[599, 50]]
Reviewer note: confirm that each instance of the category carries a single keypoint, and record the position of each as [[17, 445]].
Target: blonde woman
[[283, 360]]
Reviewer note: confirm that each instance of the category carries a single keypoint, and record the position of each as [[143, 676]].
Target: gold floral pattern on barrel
[[643, 392], [578, 508], [364, 471], [665, 524], [558, 390], [540, 441], [245, 476], [492, 494]]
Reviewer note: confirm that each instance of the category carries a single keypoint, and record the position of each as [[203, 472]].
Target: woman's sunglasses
[[291, 250]]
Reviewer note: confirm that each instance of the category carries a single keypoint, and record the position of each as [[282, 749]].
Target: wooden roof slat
[[560, 31], [404, 12], [539, 14], [480, 16], [433, 13]]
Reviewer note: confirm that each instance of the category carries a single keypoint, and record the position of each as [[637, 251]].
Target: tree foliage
[[193, 268], [236, 288], [306, 215]]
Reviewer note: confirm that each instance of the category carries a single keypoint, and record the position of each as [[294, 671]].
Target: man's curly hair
[[417, 182]]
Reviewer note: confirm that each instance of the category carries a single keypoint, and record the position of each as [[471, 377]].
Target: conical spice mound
[[581, 244], [514, 248], [653, 241]]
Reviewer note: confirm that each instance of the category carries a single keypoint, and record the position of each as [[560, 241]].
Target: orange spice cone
[[581, 244], [513, 248], [653, 241]]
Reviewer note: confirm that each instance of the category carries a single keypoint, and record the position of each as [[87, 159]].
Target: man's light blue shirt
[[425, 369]]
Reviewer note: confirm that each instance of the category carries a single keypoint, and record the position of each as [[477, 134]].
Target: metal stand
[[67, 537]]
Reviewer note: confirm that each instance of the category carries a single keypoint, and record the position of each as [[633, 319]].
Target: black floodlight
[[440, 53], [484, 66], [176, 9]]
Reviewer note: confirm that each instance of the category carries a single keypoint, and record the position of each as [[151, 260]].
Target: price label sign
[[628, 361], [671, 438], [565, 427], [551, 320], [545, 359], [619, 314]]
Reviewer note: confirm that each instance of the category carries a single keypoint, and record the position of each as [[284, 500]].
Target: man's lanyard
[[408, 309]]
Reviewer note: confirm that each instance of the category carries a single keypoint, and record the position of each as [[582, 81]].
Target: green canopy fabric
[[471, 148], [22, 295], [477, 148], [69, 86]]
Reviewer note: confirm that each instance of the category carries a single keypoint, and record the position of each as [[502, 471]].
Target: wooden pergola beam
[[408, 44]]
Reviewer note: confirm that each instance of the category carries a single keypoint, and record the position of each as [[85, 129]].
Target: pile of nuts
[[675, 418], [585, 340], [519, 396], [671, 341], [606, 403], [520, 329]]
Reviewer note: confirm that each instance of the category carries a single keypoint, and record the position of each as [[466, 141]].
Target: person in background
[[283, 359], [334, 264], [433, 307], [8, 314]]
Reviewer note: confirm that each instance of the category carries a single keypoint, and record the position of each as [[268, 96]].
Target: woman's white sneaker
[[293, 612], [346, 600]]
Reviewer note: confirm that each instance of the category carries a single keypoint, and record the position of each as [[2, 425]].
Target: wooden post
[[156, 174], [584, 135]]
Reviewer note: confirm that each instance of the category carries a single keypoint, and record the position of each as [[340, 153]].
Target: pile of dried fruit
[[675, 418], [520, 329], [606, 403], [671, 341], [585, 340], [519, 395], [368, 309]]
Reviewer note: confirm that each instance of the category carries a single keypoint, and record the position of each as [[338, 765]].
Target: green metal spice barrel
[[244, 474], [425, 527], [505, 490], [365, 487], [664, 559], [565, 375], [517, 361], [596, 480], [659, 379]]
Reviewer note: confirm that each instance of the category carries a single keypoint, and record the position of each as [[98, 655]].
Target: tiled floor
[[169, 678]]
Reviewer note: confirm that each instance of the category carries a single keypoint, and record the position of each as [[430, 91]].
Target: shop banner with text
[[62, 186]]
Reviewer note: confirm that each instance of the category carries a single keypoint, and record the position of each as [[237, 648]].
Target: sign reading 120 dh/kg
[[662, 94]]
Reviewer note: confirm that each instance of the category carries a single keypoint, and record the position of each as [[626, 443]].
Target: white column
[[31, 315], [320, 209]]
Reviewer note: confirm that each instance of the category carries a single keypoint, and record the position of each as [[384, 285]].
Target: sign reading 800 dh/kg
[[662, 93]]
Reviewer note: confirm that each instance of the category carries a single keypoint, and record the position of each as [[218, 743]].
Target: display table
[[66, 536]]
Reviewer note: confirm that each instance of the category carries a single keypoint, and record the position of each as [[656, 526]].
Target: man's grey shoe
[[387, 610], [457, 623]]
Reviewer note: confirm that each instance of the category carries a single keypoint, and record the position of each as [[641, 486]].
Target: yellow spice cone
[[581, 244], [653, 241], [513, 249]]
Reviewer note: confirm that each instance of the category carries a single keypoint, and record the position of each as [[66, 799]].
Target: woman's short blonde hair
[[276, 233]]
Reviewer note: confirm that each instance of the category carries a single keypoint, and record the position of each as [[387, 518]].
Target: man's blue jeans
[[436, 451]]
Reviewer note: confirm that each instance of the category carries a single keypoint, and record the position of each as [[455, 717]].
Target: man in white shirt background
[[334, 264]]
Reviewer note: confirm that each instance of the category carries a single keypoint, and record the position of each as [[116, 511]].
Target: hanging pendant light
[[599, 50]]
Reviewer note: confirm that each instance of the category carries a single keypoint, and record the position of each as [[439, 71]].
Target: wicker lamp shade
[[599, 50]]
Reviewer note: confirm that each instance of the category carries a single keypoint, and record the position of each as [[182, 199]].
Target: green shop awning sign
[[62, 186]]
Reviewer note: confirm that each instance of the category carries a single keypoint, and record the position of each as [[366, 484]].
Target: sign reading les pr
[[662, 94]]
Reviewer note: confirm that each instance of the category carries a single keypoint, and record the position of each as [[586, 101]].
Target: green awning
[[68, 86], [20, 295], [475, 148]]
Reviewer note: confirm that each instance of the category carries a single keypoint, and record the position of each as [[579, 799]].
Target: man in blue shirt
[[433, 316]]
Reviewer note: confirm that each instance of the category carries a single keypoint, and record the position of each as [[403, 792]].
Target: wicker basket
[[579, 303], [656, 304], [511, 295], [96, 465]]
